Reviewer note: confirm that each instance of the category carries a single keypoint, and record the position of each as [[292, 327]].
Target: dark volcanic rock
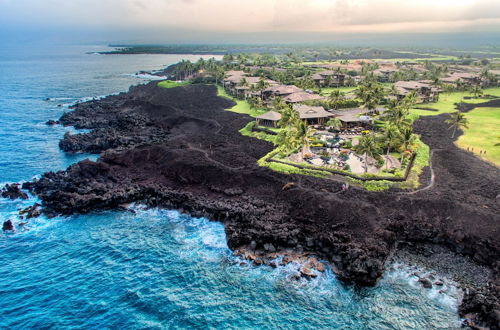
[[8, 226], [177, 148], [13, 191], [426, 283]]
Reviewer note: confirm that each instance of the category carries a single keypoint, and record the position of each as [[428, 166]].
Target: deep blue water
[[155, 268]]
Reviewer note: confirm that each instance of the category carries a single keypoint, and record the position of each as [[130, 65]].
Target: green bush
[[347, 144]]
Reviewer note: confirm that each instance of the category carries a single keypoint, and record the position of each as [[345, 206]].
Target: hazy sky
[[277, 17]]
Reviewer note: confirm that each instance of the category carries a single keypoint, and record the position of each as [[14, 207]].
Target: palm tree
[[279, 104], [336, 98], [243, 82], [306, 82], [457, 120], [262, 84], [390, 137], [305, 135], [408, 139], [397, 114], [288, 117], [409, 101], [334, 123], [368, 147], [477, 91], [288, 139], [371, 94], [218, 73]]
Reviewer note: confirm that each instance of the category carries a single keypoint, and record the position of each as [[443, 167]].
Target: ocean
[[153, 268]]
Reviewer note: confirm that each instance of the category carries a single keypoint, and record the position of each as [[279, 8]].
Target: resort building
[[279, 90], [301, 96], [242, 86], [424, 91], [313, 115], [269, 119], [385, 74], [329, 78], [465, 78]]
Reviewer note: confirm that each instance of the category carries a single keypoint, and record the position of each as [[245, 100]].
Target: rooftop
[[271, 115], [301, 96], [306, 111]]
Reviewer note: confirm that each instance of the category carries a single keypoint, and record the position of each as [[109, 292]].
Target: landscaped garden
[[380, 155]]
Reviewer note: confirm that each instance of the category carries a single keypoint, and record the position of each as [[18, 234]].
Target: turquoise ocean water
[[156, 268]]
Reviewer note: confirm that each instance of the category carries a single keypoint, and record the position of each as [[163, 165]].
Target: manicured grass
[[247, 131], [241, 106], [446, 103], [483, 133], [170, 83], [421, 160]]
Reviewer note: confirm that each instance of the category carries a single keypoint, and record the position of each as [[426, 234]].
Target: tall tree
[[477, 91], [371, 94], [334, 123], [288, 116], [262, 83], [278, 104], [408, 140], [457, 120], [336, 99], [368, 146], [305, 135], [391, 138]]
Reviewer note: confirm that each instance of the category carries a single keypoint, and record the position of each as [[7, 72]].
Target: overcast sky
[[257, 17]]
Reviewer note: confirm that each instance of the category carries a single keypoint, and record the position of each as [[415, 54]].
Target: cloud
[[244, 16]]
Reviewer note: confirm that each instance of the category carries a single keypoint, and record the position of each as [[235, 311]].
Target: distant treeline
[[306, 52]]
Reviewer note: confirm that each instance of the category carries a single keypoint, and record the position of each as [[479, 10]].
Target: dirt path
[[433, 177], [205, 153]]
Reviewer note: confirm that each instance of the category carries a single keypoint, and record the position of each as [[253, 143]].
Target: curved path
[[433, 177], [204, 152]]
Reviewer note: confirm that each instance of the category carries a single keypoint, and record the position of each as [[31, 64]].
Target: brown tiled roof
[[283, 89], [301, 96], [460, 76], [383, 71], [271, 115], [306, 111], [410, 85]]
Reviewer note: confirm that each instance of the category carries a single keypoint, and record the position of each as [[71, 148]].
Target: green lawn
[[241, 106], [446, 103], [170, 83], [247, 131], [483, 133]]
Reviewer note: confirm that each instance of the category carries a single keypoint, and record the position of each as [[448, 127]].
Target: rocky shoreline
[[178, 148]]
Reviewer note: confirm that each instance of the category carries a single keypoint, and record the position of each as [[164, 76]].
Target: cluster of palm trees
[[396, 132], [371, 93], [295, 133], [186, 69]]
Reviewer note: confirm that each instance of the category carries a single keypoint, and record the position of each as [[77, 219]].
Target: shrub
[[347, 144]]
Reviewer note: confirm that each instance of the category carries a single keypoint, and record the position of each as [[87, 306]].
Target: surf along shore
[[178, 148]]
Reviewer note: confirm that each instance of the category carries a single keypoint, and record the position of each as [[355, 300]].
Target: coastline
[[203, 188]]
